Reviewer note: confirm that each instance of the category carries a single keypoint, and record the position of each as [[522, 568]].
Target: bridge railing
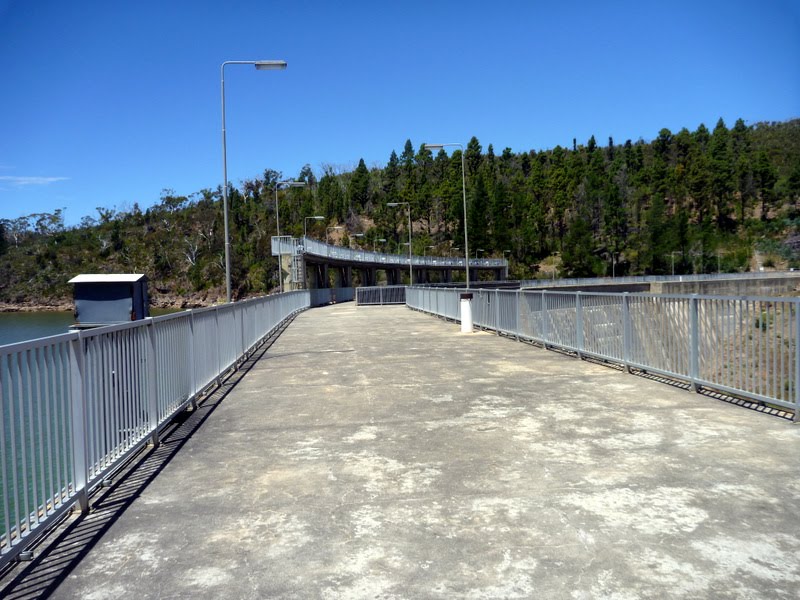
[[540, 283], [322, 296], [76, 405], [744, 346], [381, 294], [285, 245]]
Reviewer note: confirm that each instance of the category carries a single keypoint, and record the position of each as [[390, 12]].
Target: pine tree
[[477, 205], [3, 240], [576, 257], [472, 156], [721, 172], [359, 187], [391, 177], [765, 176]]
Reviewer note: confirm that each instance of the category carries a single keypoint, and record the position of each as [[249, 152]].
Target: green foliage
[[359, 188], [691, 201], [577, 257], [3, 240]]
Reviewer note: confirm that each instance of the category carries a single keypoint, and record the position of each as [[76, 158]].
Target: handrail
[[75, 406], [305, 245], [741, 345], [541, 283]]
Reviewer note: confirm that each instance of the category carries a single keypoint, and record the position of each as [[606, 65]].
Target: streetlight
[[261, 65], [410, 268], [464, 190], [329, 229], [453, 249], [285, 184], [305, 223], [375, 240], [478, 250], [425, 249], [672, 255], [355, 235]]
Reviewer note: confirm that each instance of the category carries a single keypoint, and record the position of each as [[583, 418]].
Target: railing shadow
[[59, 552]]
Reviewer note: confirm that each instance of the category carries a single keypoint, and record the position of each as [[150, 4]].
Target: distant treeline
[[691, 201]]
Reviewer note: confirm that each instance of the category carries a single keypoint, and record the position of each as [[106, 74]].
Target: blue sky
[[106, 104]]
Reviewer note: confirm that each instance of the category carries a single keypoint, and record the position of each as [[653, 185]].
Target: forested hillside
[[694, 201]]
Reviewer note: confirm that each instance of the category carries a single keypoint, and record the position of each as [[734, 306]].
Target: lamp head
[[433, 146], [270, 65]]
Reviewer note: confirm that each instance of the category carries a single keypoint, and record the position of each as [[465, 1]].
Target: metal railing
[[381, 294], [76, 405], [285, 245], [540, 283], [745, 346], [322, 296]]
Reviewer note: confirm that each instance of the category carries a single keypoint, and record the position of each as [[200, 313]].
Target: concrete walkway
[[379, 453]]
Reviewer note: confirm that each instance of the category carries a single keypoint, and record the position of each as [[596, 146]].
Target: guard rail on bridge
[[541, 283], [381, 294], [305, 245], [75, 406], [745, 346]]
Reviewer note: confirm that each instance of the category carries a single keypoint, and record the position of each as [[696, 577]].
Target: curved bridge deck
[[378, 452]]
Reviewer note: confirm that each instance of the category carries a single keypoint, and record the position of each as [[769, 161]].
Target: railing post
[[216, 346], [626, 332], [796, 418], [517, 309], [579, 324], [152, 382], [78, 398], [694, 342], [192, 366], [545, 326], [497, 311], [237, 327]]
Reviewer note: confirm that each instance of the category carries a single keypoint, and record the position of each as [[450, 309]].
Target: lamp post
[[328, 230], [375, 240], [424, 250], [355, 235], [478, 250], [453, 249], [410, 267], [260, 65], [285, 184], [464, 191], [305, 223]]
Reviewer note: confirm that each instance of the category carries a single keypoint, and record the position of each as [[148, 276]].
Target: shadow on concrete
[[63, 548], [761, 407], [285, 354], [754, 405]]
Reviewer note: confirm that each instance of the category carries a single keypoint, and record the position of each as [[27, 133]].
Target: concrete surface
[[376, 452]]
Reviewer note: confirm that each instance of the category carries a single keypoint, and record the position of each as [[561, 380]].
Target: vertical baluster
[[9, 490], [694, 341], [79, 438]]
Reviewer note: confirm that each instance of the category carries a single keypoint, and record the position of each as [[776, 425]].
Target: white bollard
[[466, 313]]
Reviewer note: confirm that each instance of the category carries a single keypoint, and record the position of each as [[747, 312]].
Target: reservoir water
[[21, 326]]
